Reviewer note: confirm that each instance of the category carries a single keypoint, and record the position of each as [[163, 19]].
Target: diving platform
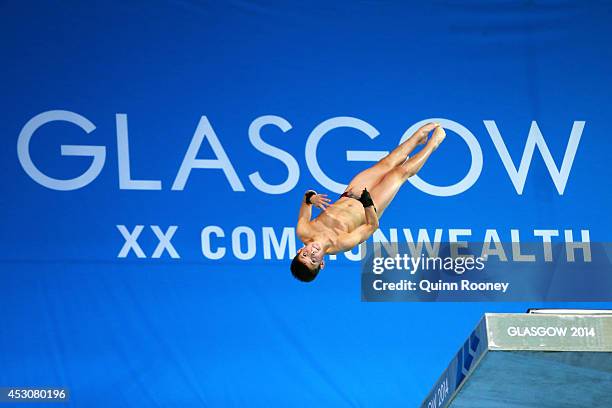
[[546, 358]]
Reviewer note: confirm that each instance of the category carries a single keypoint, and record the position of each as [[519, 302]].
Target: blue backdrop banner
[[154, 157]]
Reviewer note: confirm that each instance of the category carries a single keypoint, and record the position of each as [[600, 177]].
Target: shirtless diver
[[353, 218]]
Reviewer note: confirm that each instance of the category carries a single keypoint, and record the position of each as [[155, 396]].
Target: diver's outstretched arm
[[310, 198]]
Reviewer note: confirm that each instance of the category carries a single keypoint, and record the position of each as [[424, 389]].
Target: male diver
[[353, 218]]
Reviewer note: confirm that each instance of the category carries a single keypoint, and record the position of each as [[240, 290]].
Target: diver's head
[[308, 262]]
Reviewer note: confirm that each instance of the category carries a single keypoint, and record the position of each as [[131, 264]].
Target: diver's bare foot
[[438, 136], [421, 134]]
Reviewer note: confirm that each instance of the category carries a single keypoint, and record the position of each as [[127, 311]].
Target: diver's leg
[[386, 189], [414, 164], [373, 175], [401, 152]]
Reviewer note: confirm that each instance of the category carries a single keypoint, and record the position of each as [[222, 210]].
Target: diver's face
[[312, 255]]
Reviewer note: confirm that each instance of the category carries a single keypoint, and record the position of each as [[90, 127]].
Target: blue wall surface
[[213, 317]]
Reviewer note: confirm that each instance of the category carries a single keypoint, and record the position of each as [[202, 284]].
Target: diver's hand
[[320, 201]]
